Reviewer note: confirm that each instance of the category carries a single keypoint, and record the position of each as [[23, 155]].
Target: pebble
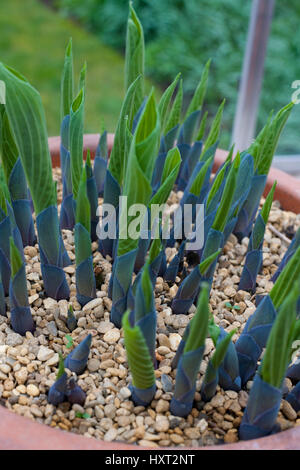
[[50, 303], [93, 365], [13, 339], [162, 406], [44, 353], [166, 383], [288, 410], [110, 435], [162, 424], [202, 425], [175, 340], [112, 336], [92, 304], [51, 327], [32, 390], [21, 375], [105, 326], [124, 393], [53, 360]]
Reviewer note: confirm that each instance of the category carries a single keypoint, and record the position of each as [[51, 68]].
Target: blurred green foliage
[[33, 40], [182, 34]]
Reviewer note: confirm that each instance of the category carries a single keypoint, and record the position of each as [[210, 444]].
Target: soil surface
[[28, 365]]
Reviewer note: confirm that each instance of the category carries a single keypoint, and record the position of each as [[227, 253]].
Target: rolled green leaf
[[254, 256], [260, 416], [164, 103], [175, 113], [134, 58], [137, 190], [189, 288], [71, 320], [27, 121], [200, 92], [100, 163], [16, 180], [76, 140], [67, 211], [144, 311], [189, 362], [211, 378], [85, 278], [262, 150], [76, 361], [214, 132], [92, 195], [143, 379], [21, 318], [67, 82], [58, 391]]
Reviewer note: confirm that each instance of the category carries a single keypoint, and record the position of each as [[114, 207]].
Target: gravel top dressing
[[28, 365]]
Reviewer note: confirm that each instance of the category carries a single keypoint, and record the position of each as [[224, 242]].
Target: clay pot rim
[[18, 432]]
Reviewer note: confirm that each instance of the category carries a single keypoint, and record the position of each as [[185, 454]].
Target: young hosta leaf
[[83, 215], [119, 154], [136, 348], [265, 211], [143, 151], [200, 178], [170, 172], [255, 148], [82, 77], [286, 279], [9, 151], [227, 197], [221, 350], [163, 105], [76, 140], [199, 95], [216, 184], [16, 261], [3, 206], [214, 130], [28, 125], [134, 58], [278, 349], [175, 112], [67, 82], [76, 361], [199, 323], [204, 265], [202, 126], [270, 142]]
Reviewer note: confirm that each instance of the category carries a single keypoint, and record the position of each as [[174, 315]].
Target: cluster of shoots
[[157, 149]]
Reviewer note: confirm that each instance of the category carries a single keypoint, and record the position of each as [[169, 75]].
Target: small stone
[[176, 438], [110, 411], [105, 326], [50, 303], [162, 424], [288, 410], [140, 432], [192, 433], [51, 327], [112, 336], [163, 340], [231, 436], [243, 398], [123, 421], [53, 360], [93, 365], [44, 354], [5, 368], [92, 304], [110, 435], [230, 291], [124, 393], [33, 298], [14, 339], [21, 375], [32, 390], [175, 340], [202, 425], [163, 350], [162, 406], [217, 401], [166, 382]]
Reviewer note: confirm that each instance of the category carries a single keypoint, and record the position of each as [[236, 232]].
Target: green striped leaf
[[164, 103], [278, 349], [76, 140], [200, 178], [28, 125], [221, 350], [9, 151], [15, 258], [83, 211], [175, 113], [203, 267], [199, 323], [170, 172], [199, 95], [82, 77], [286, 279], [142, 371], [265, 211], [67, 81], [134, 57], [214, 130], [119, 154], [202, 126]]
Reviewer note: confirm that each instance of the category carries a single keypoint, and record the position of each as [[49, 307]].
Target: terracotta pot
[[17, 432]]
